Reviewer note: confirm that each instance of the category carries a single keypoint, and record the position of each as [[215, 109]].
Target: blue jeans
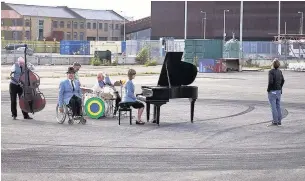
[[275, 102]]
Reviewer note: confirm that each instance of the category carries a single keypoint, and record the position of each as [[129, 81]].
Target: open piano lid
[[175, 71]]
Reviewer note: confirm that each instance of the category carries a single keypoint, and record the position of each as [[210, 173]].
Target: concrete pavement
[[229, 139]]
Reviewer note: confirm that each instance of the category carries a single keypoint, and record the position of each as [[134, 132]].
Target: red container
[[220, 66]]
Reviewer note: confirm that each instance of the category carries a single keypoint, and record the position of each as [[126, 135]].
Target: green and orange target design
[[95, 107]]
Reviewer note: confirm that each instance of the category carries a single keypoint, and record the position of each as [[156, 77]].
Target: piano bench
[[125, 106]]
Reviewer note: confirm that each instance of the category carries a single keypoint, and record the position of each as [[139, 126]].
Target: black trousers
[[117, 101], [14, 91], [76, 105]]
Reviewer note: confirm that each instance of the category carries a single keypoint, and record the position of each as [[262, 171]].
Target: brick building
[[30, 22]]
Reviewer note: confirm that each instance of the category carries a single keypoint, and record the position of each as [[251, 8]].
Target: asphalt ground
[[229, 139]]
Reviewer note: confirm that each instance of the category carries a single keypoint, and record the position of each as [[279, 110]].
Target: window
[[40, 22], [81, 25], [27, 22], [81, 36], [111, 26], [27, 35], [117, 26], [102, 38], [68, 36], [75, 36], [54, 24], [100, 26], [75, 25], [15, 35], [106, 27], [62, 24], [69, 24], [94, 26], [88, 25], [14, 22], [40, 34], [115, 39]]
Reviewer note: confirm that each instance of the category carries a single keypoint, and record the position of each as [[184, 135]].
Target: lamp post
[[124, 33], [203, 23], [185, 20], [241, 33], [302, 21], [224, 24]]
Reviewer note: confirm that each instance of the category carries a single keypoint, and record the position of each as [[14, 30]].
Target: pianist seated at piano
[[130, 97]]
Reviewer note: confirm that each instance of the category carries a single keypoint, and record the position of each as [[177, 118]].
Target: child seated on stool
[[130, 97]]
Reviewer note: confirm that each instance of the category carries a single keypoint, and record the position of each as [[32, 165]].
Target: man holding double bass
[[15, 87]]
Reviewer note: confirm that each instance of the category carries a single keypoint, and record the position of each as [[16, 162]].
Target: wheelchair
[[67, 112]]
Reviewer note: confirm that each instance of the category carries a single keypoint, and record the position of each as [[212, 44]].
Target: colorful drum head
[[95, 107]]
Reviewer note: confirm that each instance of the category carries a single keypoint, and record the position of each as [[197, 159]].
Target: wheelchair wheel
[[60, 117], [83, 120], [71, 121]]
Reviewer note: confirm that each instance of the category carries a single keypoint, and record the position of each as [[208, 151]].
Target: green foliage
[[151, 63], [95, 61], [114, 63], [116, 60], [143, 56]]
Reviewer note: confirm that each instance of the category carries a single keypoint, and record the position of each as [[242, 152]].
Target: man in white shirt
[[15, 88]]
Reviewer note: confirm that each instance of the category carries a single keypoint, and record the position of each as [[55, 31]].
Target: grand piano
[[173, 83]]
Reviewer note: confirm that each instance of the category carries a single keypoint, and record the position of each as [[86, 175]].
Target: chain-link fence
[[133, 47], [256, 51]]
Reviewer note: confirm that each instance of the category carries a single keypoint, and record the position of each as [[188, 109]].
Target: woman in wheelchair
[[70, 94]]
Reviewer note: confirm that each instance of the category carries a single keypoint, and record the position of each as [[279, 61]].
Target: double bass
[[31, 100]]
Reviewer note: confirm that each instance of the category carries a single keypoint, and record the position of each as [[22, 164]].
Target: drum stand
[[110, 107]]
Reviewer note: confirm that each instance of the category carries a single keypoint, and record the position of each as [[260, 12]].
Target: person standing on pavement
[[15, 87], [76, 67], [275, 85]]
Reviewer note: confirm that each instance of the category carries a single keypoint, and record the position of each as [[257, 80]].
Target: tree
[[143, 56]]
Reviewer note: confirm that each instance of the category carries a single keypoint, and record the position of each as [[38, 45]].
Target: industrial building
[[206, 18]]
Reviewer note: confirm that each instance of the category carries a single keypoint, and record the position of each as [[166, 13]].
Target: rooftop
[[98, 14], [64, 12], [42, 11]]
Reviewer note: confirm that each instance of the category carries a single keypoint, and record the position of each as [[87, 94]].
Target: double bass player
[[15, 87]]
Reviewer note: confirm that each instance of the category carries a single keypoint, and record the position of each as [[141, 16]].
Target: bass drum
[[94, 106], [107, 93]]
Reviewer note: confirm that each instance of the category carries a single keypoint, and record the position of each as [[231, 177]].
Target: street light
[[224, 24], [203, 23], [301, 24], [124, 34]]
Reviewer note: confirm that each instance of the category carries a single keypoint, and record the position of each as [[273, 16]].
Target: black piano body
[[173, 83]]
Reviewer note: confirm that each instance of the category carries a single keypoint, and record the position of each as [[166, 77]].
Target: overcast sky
[[129, 7]]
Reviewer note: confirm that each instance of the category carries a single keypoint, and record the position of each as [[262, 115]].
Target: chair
[[68, 112], [125, 106]]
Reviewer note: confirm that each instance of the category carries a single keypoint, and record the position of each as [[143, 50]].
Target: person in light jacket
[[130, 96], [70, 93], [275, 85]]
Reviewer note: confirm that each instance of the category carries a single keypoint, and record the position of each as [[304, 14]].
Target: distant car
[[13, 46], [29, 51]]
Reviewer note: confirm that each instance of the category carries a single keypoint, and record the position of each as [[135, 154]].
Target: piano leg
[[155, 115], [192, 108], [158, 114], [147, 111]]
